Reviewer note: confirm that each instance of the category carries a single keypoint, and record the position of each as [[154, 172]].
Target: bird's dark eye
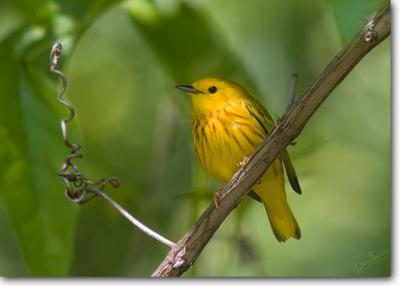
[[212, 89]]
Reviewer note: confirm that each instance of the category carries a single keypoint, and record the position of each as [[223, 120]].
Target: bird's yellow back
[[228, 124]]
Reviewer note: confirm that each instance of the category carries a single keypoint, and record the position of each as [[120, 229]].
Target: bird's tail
[[271, 190]]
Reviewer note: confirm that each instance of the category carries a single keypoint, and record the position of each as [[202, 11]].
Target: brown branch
[[185, 252]]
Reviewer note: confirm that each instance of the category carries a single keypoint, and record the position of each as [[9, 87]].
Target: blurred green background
[[122, 60]]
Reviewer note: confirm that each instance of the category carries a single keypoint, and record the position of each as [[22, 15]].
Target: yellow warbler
[[228, 124]]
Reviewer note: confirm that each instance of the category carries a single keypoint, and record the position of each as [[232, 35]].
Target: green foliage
[[122, 62], [44, 224], [196, 58], [351, 15]]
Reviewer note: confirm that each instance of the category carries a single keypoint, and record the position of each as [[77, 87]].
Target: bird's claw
[[243, 162]]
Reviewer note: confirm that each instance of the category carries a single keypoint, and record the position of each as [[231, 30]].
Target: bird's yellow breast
[[223, 137]]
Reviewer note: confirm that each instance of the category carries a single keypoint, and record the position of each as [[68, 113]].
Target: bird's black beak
[[186, 88]]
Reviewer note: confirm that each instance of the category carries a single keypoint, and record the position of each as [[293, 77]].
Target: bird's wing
[[265, 120], [261, 115]]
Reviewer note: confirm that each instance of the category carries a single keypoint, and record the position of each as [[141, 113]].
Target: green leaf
[[31, 144], [39, 11], [350, 15], [35, 11], [186, 44], [85, 12], [30, 156]]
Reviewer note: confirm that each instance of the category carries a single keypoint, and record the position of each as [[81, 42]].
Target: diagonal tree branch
[[186, 251]]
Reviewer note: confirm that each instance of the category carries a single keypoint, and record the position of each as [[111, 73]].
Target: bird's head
[[212, 93]]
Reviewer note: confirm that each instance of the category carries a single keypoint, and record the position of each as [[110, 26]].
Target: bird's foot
[[243, 162]]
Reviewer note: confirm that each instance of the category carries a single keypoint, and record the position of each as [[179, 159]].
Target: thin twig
[[78, 189], [292, 96], [133, 220], [186, 251], [292, 93]]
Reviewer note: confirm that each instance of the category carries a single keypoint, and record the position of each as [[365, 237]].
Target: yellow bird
[[228, 124]]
